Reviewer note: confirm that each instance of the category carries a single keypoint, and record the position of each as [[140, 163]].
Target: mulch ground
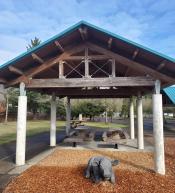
[[62, 172]]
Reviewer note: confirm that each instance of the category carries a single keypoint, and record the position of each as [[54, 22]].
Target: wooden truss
[[70, 61]]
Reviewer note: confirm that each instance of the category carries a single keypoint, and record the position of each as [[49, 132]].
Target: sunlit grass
[[8, 130]]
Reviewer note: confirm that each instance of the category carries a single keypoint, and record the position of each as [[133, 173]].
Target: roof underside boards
[[170, 92], [97, 36]]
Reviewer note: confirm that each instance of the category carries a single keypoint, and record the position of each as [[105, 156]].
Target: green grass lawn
[[8, 131]]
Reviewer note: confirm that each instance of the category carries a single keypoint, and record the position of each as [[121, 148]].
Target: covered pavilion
[[86, 61]]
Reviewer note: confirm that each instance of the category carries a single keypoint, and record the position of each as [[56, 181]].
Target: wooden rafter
[[2, 80], [135, 54], [59, 46], [47, 64], [90, 82], [90, 57], [130, 63], [15, 70], [161, 65], [110, 43], [83, 33], [37, 58]]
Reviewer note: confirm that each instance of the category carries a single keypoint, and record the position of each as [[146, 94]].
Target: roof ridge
[[74, 27]]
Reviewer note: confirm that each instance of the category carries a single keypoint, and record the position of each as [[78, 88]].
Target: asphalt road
[[37, 143]]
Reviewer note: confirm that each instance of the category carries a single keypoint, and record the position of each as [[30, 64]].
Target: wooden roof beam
[[110, 43], [91, 82], [3, 81], [59, 46], [15, 70], [46, 65], [83, 33], [132, 64], [37, 58], [161, 65], [135, 54], [90, 57], [92, 92]]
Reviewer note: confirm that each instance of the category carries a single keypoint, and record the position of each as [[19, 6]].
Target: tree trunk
[[7, 109]]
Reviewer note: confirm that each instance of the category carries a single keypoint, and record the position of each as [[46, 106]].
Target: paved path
[[34, 145]]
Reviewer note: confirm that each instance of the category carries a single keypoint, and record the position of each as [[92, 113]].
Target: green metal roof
[[73, 28], [170, 92]]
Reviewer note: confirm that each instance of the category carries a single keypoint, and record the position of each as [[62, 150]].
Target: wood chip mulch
[[62, 172]]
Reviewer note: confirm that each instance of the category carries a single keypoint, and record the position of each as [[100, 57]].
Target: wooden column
[[61, 69], [68, 115], [86, 62], [159, 159], [21, 126], [113, 67]]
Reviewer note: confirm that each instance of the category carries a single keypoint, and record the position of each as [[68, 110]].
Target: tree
[[11, 101], [33, 97], [88, 109], [125, 108], [33, 43]]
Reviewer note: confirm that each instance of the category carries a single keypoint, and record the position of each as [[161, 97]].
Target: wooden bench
[[115, 136], [117, 142], [73, 140], [79, 136]]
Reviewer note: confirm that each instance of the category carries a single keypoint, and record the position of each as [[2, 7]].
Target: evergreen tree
[[33, 43]]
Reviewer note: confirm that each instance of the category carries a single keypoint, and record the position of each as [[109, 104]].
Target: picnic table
[[80, 134], [115, 136], [75, 123]]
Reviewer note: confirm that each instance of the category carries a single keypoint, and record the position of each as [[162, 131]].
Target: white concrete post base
[[53, 123], [159, 159], [132, 133], [21, 130], [140, 135]]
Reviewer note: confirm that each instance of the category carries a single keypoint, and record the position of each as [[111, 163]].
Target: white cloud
[[146, 22]]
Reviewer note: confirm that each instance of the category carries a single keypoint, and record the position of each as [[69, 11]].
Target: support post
[[106, 117], [53, 121], [159, 159], [86, 62], [140, 135], [61, 69], [132, 132], [21, 126], [113, 67], [68, 116]]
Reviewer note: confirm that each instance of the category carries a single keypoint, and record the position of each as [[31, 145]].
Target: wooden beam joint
[[15, 70], [37, 58], [83, 33], [59, 46]]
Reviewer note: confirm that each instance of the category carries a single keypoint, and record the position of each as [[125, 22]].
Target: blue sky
[[148, 22]]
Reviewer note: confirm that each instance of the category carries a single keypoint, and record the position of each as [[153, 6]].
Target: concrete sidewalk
[[37, 147]]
